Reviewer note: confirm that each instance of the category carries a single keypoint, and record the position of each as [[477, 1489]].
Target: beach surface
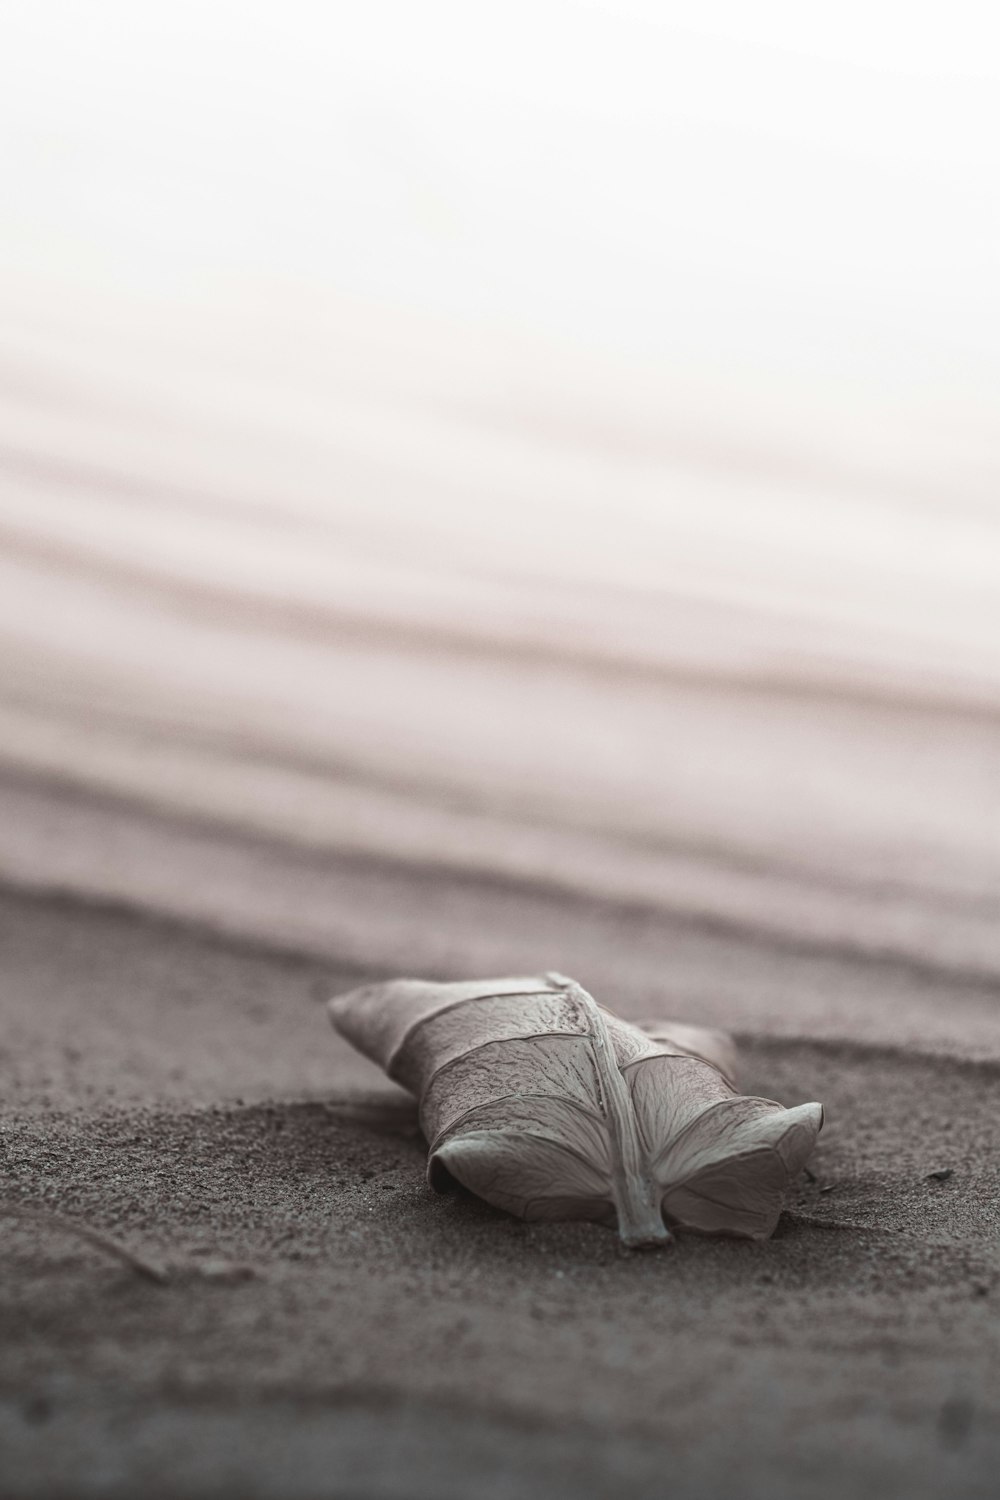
[[327, 1326], [260, 740], [425, 550]]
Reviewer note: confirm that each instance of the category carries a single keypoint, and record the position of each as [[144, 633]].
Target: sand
[[329, 1327], [339, 644], [429, 551]]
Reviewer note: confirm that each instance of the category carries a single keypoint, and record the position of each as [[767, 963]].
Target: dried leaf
[[547, 1105]]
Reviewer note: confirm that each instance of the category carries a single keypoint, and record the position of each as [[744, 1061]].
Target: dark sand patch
[[393, 1343]]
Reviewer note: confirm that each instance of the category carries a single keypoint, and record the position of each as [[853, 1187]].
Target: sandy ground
[[330, 1327], [426, 550]]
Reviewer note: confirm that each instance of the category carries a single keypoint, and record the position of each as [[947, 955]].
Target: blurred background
[[485, 486]]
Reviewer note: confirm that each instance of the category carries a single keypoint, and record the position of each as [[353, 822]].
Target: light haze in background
[[551, 439]]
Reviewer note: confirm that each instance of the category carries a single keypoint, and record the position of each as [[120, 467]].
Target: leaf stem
[[97, 1237], [637, 1198]]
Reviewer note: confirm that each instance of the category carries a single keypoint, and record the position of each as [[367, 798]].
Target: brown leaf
[[549, 1106]]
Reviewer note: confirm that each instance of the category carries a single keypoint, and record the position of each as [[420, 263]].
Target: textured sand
[[330, 1327], [428, 550]]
